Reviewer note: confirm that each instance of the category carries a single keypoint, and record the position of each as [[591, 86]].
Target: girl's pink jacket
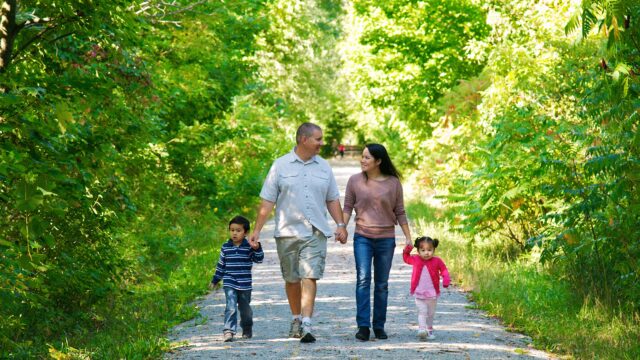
[[435, 265]]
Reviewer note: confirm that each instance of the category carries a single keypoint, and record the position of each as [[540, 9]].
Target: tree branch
[[50, 26], [8, 32], [158, 11]]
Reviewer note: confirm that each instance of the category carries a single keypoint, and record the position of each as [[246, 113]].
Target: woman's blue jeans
[[237, 300], [380, 252]]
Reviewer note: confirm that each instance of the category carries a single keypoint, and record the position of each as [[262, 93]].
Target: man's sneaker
[[306, 334], [295, 331], [228, 336], [247, 333], [430, 335], [422, 334]]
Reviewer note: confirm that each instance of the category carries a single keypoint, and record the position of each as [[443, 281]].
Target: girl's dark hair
[[241, 220], [426, 239], [379, 152]]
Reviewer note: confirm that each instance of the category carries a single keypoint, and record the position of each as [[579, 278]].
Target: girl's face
[[368, 162], [426, 250], [237, 233]]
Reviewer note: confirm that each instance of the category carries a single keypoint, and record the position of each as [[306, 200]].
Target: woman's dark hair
[[241, 220], [379, 152], [426, 239]]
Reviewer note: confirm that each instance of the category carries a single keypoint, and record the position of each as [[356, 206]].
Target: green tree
[[408, 55]]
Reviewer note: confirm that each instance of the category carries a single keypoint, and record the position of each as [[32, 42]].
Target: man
[[302, 187]]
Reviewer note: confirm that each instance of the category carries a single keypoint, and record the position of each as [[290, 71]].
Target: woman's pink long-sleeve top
[[435, 266]]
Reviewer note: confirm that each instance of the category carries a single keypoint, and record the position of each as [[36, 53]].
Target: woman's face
[[368, 162]]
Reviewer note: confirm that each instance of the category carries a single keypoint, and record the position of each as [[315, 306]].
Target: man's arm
[[335, 210], [263, 214]]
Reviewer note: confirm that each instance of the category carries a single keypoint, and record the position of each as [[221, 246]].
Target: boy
[[237, 256]]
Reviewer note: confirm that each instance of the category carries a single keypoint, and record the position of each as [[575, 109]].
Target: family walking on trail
[[301, 187]]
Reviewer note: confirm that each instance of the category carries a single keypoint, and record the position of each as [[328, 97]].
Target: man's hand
[[341, 235], [255, 245], [253, 240]]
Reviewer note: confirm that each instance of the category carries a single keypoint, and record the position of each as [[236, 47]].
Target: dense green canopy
[[127, 124]]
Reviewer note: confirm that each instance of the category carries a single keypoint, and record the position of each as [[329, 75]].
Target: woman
[[376, 196]]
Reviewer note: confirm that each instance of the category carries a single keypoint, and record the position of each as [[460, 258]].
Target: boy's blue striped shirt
[[234, 265]]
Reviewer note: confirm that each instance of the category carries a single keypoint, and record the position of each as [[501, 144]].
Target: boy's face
[[237, 233], [426, 250]]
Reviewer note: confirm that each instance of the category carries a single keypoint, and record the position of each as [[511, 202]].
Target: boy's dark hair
[[241, 220], [427, 239]]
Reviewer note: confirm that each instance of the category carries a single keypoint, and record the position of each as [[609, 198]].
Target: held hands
[[341, 235], [408, 242], [253, 240]]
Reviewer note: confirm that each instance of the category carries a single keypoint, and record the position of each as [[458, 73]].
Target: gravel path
[[462, 332]]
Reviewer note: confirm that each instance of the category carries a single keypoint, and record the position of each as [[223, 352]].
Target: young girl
[[425, 281]]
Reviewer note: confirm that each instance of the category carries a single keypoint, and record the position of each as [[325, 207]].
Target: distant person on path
[[302, 187], [425, 282], [234, 268], [377, 198], [341, 150]]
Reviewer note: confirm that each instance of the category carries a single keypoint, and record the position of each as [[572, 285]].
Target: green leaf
[[64, 116], [6, 243], [46, 193]]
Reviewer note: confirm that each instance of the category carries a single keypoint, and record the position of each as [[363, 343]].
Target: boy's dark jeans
[[237, 300]]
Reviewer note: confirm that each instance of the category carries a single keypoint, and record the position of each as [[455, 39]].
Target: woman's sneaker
[[423, 335], [430, 335], [295, 331], [363, 333]]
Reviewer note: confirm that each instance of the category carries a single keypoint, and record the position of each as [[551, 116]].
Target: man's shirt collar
[[294, 157]]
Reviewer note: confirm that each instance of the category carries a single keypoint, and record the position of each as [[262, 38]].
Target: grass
[[133, 324], [531, 298], [527, 297]]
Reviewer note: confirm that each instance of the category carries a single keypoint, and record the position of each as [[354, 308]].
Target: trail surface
[[462, 331]]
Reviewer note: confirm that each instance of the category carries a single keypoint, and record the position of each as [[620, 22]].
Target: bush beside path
[[462, 331]]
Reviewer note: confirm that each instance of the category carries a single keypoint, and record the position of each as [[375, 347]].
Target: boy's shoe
[[228, 336], [295, 331], [430, 335], [380, 334], [363, 333], [422, 334], [307, 337], [247, 333]]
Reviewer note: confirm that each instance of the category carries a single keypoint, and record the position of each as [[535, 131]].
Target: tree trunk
[[8, 31]]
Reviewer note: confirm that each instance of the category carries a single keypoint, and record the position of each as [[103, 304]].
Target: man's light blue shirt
[[300, 191]]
